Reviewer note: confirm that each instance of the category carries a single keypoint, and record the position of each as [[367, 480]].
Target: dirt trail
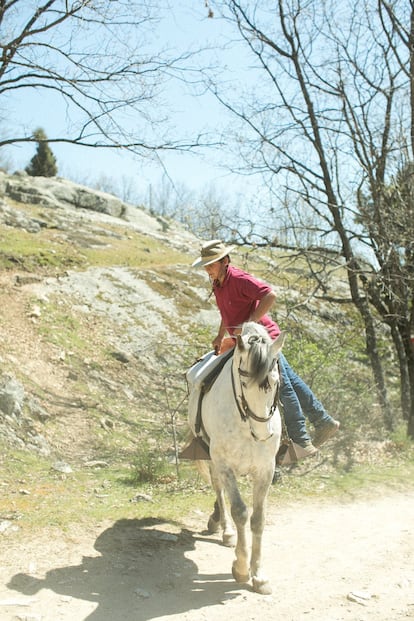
[[317, 555]]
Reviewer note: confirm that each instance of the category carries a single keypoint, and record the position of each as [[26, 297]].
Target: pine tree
[[43, 164]]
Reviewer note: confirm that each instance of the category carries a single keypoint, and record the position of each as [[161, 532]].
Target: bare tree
[[91, 58], [329, 127], [206, 213]]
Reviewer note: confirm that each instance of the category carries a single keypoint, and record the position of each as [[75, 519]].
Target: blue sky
[[189, 113]]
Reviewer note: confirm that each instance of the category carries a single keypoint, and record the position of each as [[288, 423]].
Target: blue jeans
[[298, 400]]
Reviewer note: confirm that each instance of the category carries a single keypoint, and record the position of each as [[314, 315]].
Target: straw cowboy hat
[[211, 252]]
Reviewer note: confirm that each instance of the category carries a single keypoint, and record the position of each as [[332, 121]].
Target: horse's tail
[[204, 469]]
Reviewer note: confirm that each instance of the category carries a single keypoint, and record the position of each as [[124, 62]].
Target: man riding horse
[[240, 298]]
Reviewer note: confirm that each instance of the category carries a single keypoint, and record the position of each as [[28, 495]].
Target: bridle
[[241, 401]]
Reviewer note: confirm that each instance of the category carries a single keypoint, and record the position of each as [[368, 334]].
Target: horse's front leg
[[220, 515], [257, 522], [239, 513]]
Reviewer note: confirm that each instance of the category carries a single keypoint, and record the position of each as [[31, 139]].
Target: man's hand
[[217, 343]]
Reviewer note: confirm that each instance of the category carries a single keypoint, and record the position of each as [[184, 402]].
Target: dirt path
[[316, 555]]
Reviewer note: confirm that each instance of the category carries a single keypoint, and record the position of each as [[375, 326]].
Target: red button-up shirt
[[237, 298]]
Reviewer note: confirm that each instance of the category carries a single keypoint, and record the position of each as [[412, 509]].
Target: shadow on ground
[[142, 573]]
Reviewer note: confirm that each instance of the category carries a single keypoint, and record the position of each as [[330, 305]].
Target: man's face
[[215, 270]]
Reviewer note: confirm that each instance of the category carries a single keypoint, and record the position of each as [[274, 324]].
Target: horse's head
[[256, 355]]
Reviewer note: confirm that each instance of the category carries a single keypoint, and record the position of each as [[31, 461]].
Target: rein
[[243, 406]]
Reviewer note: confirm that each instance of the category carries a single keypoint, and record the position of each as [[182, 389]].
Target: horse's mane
[[259, 359]]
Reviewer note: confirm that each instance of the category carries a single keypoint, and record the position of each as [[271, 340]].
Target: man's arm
[[217, 341], [263, 307]]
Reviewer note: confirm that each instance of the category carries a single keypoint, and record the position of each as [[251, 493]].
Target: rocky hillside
[[100, 315], [96, 308]]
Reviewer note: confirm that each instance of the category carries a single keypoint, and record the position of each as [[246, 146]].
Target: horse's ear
[[278, 343], [240, 342]]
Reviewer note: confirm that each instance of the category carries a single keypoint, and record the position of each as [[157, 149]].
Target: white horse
[[238, 418]]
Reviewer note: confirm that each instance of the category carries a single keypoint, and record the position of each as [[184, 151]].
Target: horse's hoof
[[213, 526], [262, 587], [229, 540], [238, 576]]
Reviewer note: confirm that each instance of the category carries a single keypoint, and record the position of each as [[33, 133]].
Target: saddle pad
[[211, 377]]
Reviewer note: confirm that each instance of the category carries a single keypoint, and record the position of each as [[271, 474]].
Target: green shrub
[[149, 465]]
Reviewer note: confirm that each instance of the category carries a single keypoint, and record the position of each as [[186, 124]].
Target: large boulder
[[56, 192]]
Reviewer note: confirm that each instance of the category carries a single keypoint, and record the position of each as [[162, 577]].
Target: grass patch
[[49, 251], [62, 328], [137, 251], [37, 496], [306, 481], [37, 253]]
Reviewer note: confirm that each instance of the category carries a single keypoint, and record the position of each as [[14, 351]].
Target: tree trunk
[[410, 426], [404, 373], [361, 303], [376, 365]]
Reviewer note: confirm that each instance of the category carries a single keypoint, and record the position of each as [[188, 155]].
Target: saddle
[[198, 448]]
